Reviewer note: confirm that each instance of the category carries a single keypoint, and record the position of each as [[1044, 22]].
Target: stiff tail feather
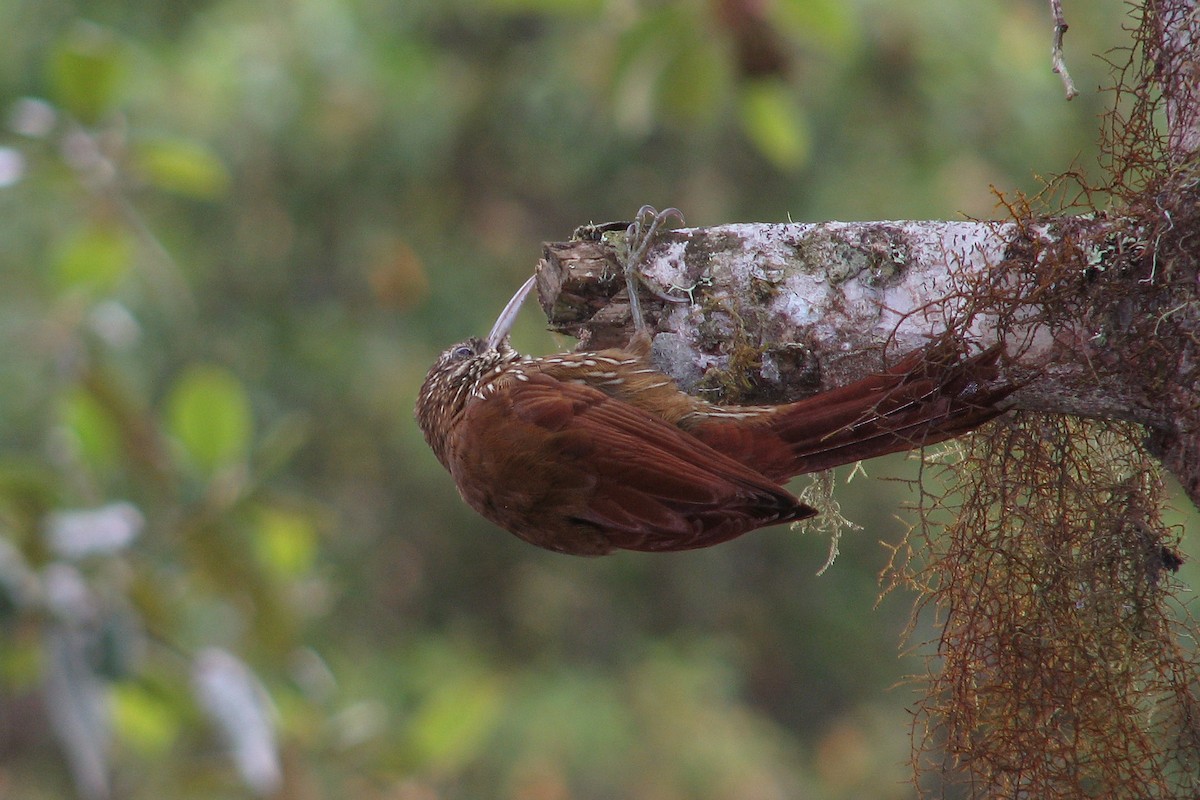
[[927, 397]]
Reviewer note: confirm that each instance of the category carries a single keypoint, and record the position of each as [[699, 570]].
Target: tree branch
[[1178, 73], [1056, 50], [773, 312]]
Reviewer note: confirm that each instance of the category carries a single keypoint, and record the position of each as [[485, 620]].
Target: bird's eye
[[463, 351]]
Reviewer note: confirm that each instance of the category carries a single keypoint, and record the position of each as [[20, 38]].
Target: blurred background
[[234, 236]]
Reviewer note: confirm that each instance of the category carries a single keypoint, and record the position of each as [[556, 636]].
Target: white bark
[[819, 305]]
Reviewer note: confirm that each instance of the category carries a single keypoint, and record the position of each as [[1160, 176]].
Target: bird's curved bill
[[505, 321]]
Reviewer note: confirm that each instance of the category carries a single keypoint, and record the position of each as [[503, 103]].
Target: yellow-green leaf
[[775, 123], [91, 429], [831, 24], [143, 720], [208, 413], [86, 70], [184, 167], [450, 728], [93, 260], [285, 541]]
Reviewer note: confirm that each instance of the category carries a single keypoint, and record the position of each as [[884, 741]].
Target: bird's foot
[[639, 237]]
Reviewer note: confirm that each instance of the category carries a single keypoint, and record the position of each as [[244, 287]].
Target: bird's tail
[[927, 397]]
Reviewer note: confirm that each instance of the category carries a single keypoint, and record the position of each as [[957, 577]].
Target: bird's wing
[[557, 461]]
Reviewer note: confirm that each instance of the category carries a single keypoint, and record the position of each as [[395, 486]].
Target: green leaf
[[831, 24], [449, 730], [285, 541], [93, 260], [775, 124], [208, 413], [143, 720], [91, 428], [86, 71], [184, 167]]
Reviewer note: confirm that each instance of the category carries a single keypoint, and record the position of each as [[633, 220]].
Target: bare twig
[[1056, 52]]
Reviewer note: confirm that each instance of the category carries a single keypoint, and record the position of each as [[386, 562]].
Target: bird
[[585, 453]]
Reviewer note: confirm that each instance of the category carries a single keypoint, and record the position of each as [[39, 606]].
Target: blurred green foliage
[[236, 234]]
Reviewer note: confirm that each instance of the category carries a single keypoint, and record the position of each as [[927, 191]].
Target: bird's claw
[[647, 221], [639, 236]]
